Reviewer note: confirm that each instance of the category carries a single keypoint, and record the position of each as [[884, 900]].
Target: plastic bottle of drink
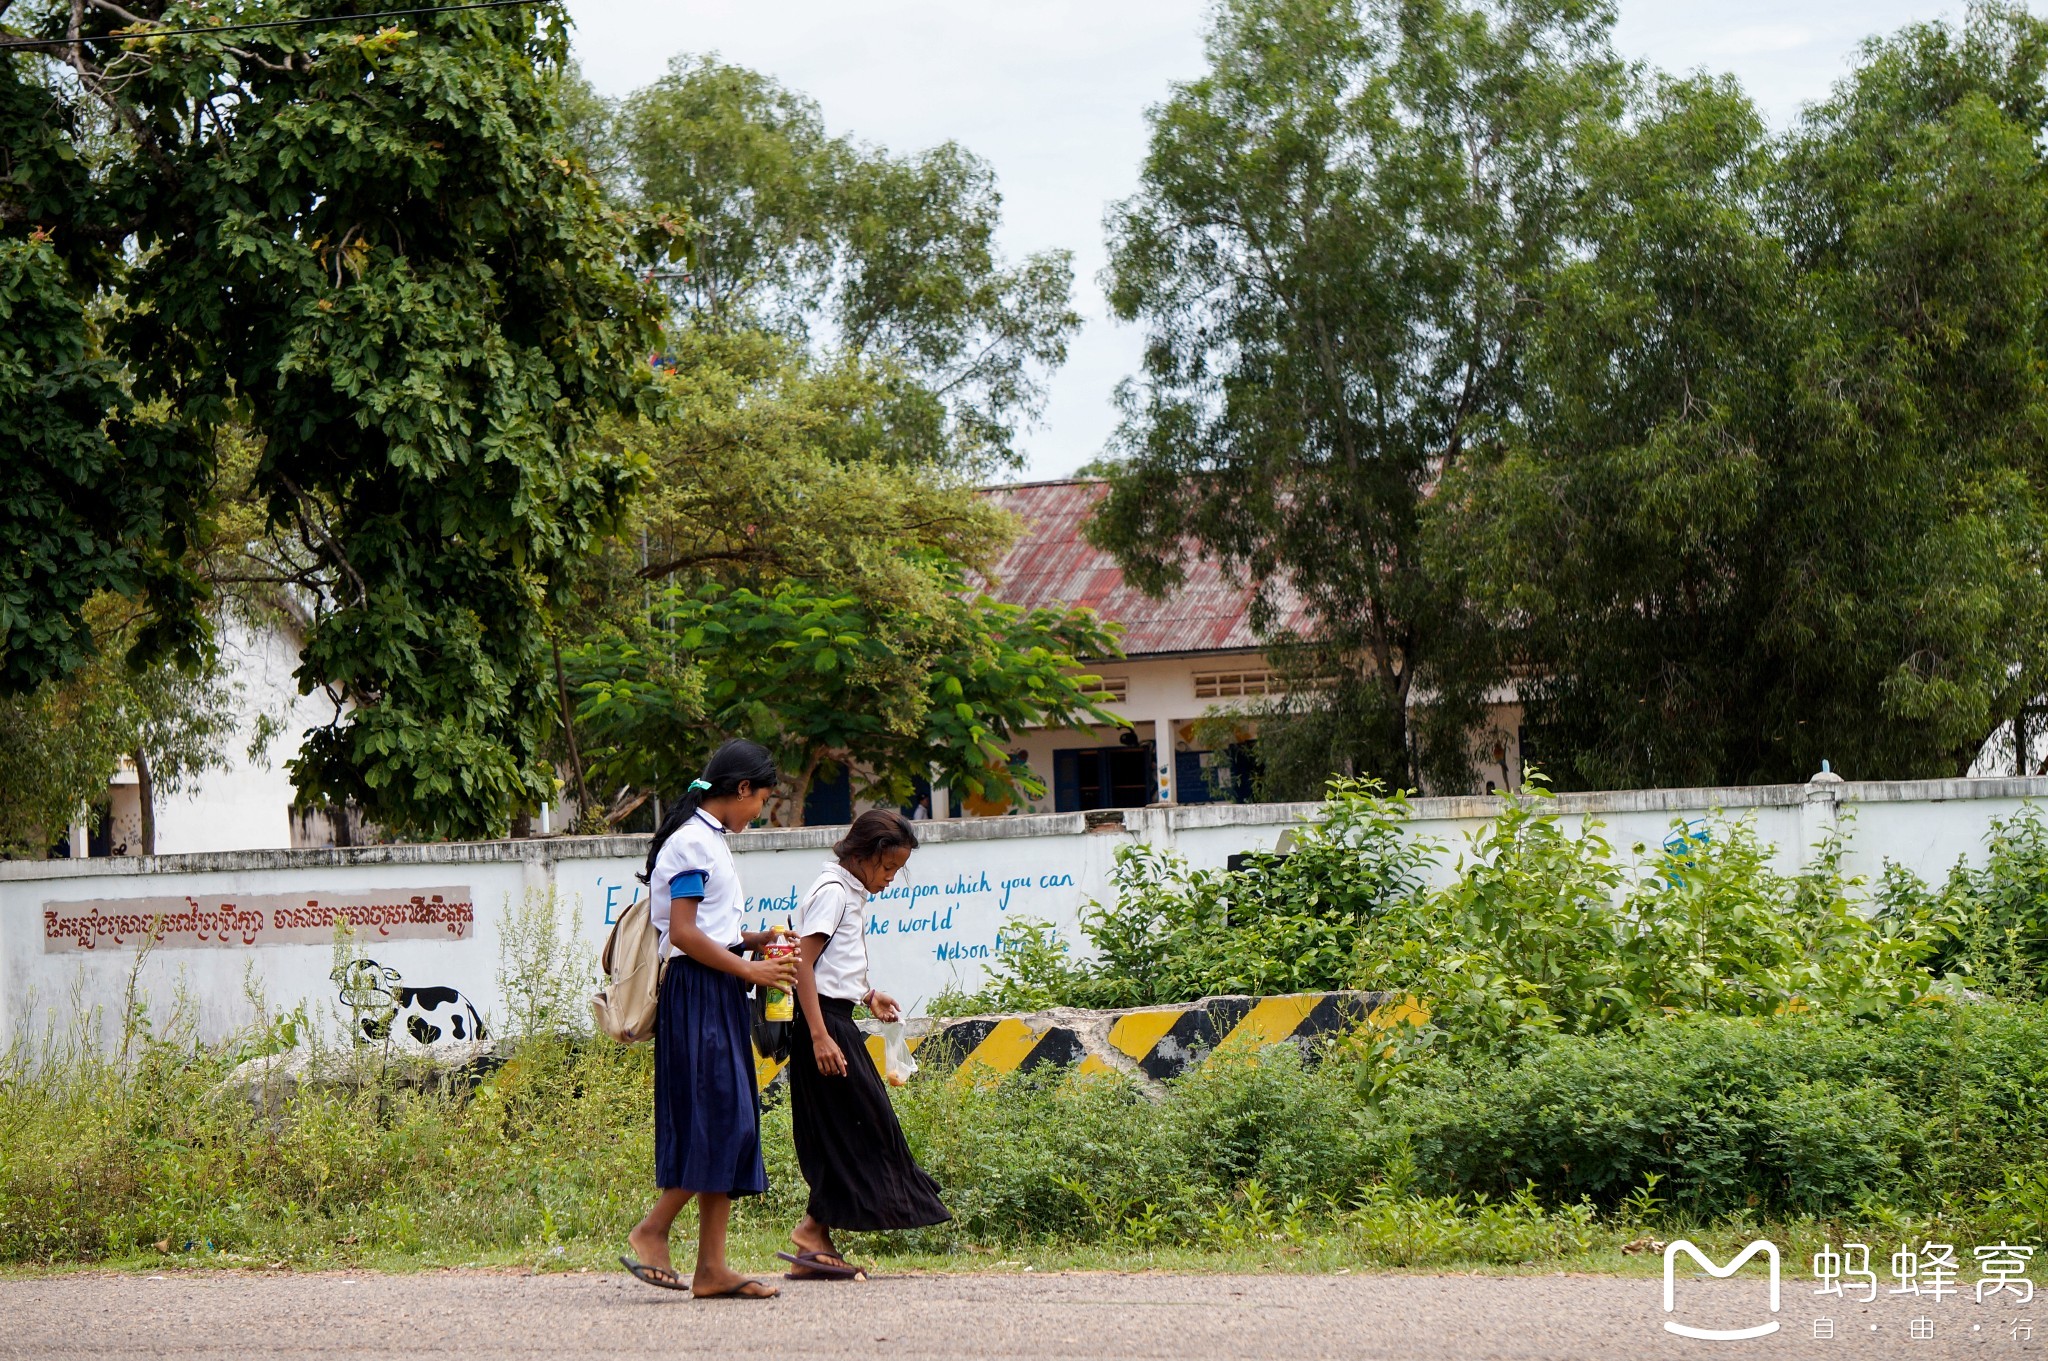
[[779, 1005]]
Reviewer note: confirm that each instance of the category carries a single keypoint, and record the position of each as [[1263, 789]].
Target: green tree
[[847, 354], [766, 466], [830, 683], [752, 483], [97, 490], [880, 264], [61, 745], [95, 493], [1334, 250], [1776, 494], [372, 248]]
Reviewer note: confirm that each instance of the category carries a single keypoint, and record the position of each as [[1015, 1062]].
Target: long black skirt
[[707, 1105], [848, 1142]]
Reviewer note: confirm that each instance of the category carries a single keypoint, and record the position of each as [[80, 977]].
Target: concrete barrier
[[1152, 1044]]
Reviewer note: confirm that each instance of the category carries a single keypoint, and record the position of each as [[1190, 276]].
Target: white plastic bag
[[897, 1065]]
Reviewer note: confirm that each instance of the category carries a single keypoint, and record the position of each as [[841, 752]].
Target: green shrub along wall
[[1791, 1115], [1929, 1112], [1544, 928]]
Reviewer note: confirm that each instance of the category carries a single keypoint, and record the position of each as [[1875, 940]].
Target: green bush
[[1291, 923], [1539, 930], [1034, 970], [1542, 932], [1834, 1143], [1797, 1114], [1044, 1156], [1987, 926], [1283, 923]]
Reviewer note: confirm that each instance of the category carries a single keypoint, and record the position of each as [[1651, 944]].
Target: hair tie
[[701, 784]]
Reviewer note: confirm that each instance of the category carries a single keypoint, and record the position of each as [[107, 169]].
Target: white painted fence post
[[1823, 814]]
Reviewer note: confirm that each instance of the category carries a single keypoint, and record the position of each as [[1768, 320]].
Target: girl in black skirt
[[851, 1149], [707, 1108]]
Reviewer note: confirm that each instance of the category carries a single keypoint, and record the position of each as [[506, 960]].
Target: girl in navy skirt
[[848, 1142], [707, 1108]]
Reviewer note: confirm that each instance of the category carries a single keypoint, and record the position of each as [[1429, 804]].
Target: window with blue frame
[[829, 802], [1216, 776], [1085, 778]]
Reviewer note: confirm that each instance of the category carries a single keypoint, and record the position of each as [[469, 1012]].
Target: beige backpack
[[632, 963]]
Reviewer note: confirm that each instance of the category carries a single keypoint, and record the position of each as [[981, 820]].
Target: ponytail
[[736, 762]]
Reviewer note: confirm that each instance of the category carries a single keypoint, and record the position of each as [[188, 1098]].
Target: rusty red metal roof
[[1051, 565]]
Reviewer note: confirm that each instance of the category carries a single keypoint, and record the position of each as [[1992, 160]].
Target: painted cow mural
[[379, 996]]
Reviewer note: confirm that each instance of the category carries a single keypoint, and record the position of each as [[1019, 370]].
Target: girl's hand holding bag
[[897, 1065]]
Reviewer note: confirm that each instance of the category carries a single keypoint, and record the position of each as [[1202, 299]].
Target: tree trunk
[[802, 790], [145, 798], [1394, 685], [586, 811]]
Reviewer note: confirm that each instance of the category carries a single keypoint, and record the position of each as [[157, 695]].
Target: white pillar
[[942, 800], [1169, 768], [1822, 816]]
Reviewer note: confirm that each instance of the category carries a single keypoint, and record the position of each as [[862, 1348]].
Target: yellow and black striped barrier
[[1158, 1043], [997, 1045], [1166, 1042]]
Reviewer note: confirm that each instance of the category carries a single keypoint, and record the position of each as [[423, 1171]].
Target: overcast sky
[[1054, 92]]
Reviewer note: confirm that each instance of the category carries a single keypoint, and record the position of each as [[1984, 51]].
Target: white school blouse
[[835, 907], [698, 848]]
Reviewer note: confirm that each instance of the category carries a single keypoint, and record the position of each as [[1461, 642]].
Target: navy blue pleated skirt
[[707, 1108]]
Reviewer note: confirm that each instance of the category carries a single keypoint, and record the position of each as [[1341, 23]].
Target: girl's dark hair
[[875, 831], [737, 761]]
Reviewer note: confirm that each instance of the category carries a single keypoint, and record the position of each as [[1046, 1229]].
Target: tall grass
[[551, 1153]]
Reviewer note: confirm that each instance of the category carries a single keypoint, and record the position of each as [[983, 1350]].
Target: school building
[[1190, 661]]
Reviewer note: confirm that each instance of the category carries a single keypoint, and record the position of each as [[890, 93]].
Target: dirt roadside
[[287, 1316]]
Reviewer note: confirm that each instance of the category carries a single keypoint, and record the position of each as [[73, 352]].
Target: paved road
[[908, 1318]]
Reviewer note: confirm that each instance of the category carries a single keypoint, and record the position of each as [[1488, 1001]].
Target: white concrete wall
[[937, 928]]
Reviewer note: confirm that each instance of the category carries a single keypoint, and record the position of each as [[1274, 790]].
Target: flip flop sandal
[[653, 1275], [820, 1269], [745, 1290]]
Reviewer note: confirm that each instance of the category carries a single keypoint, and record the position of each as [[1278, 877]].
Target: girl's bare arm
[[691, 940], [831, 1059]]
